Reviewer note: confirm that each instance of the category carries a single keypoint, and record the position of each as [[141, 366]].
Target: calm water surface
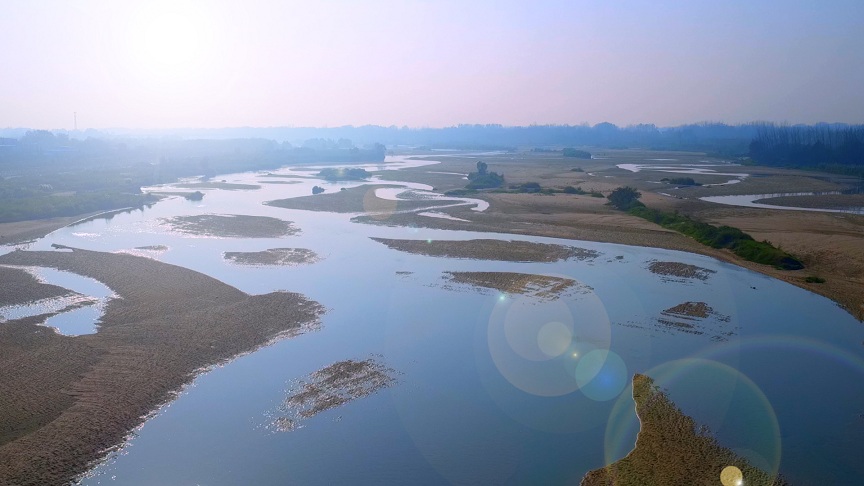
[[776, 374]]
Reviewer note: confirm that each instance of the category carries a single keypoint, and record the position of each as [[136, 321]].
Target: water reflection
[[492, 389]]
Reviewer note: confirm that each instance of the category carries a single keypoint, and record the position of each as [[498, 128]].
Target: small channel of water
[[491, 387], [749, 201]]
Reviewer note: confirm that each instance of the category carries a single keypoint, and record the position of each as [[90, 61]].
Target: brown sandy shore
[[333, 386], [356, 200], [483, 249], [21, 231], [669, 449], [543, 287], [65, 401], [19, 287], [829, 244], [273, 257], [828, 201]]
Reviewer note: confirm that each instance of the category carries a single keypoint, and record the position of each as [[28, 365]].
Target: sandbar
[[680, 270], [671, 450], [542, 287], [331, 387], [230, 186], [488, 249], [273, 257], [231, 226], [20, 287], [360, 199], [67, 401]]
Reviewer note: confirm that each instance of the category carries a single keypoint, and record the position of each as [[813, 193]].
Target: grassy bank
[[734, 239], [670, 449]]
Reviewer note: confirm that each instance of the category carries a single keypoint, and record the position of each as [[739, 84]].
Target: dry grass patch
[[826, 201], [670, 450]]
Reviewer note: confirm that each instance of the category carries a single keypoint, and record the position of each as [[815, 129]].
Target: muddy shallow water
[[492, 387]]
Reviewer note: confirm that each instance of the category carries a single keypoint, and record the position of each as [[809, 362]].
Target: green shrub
[[734, 239], [579, 154]]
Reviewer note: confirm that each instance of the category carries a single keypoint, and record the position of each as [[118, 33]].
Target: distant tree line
[[716, 138], [336, 142], [820, 146], [43, 174]]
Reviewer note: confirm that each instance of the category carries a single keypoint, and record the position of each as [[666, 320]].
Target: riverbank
[[829, 244], [65, 401], [22, 231], [670, 450]]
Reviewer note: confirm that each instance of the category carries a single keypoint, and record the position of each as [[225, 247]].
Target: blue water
[[479, 396], [77, 313]]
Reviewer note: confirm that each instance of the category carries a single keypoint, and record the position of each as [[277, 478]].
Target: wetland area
[[266, 335]]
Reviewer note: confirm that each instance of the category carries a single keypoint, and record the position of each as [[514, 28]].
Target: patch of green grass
[[734, 239]]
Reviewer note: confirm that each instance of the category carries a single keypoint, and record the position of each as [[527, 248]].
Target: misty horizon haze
[[205, 65]]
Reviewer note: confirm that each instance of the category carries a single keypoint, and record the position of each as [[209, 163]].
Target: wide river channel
[[485, 392]]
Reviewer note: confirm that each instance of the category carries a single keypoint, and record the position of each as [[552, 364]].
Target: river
[[775, 371]]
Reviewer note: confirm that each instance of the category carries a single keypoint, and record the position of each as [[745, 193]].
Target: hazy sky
[[151, 64]]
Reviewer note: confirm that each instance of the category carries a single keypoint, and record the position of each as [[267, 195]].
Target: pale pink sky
[[172, 64]]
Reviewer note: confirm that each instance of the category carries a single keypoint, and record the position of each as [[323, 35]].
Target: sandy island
[[231, 226], [543, 287], [669, 449], [65, 401], [331, 387], [680, 270], [828, 243], [273, 257], [228, 186], [826, 201], [20, 287], [487, 249], [359, 199]]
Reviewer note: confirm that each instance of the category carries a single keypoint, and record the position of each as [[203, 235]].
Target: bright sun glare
[[170, 43]]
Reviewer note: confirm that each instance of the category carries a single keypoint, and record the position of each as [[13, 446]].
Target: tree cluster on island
[[625, 198], [680, 181], [579, 154], [483, 179]]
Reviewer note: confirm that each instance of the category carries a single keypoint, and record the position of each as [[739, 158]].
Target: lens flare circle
[[536, 345], [601, 375], [731, 476], [554, 338], [713, 394]]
